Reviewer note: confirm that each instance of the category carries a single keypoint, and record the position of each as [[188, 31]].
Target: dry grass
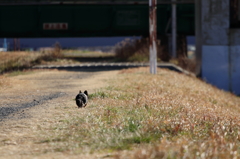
[[86, 53], [4, 82], [19, 137], [138, 51], [142, 116], [12, 61], [16, 60], [185, 63], [133, 50]]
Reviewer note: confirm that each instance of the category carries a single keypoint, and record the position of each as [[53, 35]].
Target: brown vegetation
[[152, 116], [136, 50], [133, 50], [137, 116], [11, 61]]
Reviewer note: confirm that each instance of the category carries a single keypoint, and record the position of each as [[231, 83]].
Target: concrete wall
[[234, 52], [220, 46]]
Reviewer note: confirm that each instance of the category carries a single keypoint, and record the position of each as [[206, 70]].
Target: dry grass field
[[20, 60], [142, 116], [137, 115], [16, 60]]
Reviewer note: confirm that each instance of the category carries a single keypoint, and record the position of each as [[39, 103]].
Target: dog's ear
[[80, 91], [85, 92]]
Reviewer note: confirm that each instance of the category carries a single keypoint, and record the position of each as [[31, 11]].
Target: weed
[[98, 94], [132, 125]]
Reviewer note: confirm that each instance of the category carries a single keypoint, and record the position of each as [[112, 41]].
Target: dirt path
[[34, 101]]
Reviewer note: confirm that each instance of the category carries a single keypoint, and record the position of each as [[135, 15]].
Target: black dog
[[82, 99]]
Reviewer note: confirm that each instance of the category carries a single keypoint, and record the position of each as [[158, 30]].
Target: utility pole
[[153, 36], [174, 28]]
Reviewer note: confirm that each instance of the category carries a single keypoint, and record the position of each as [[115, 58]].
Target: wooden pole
[[153, 36]]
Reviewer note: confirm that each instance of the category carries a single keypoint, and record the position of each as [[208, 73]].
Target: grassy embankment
[[17, 61], [168, 115]]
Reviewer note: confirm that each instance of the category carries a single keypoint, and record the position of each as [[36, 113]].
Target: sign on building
[[55, 26]]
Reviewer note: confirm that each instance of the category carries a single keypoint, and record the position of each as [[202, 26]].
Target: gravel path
[[15, 108], [37, 90], [33, 102]]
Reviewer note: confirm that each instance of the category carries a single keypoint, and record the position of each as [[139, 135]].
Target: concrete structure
[[218, 44]]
